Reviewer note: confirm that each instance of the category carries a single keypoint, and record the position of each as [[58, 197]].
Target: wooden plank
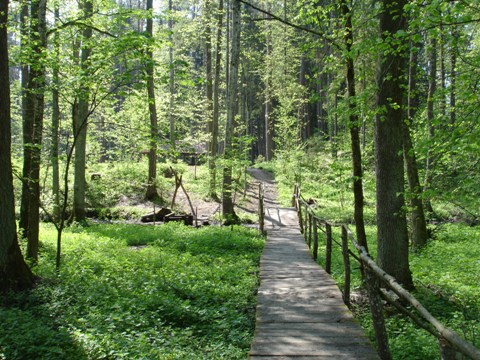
[[326, 330], [333, 350], [316, 357]]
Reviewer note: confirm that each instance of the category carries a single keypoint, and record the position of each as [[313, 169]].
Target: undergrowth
[[138, 292]]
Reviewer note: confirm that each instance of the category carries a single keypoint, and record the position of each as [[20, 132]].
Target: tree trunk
[[453, 77], [412, 100], [442, 103], [151, 192], [354, 124], [418, 222], [269, 124], [334, 127], [227, 201], [392, 253], [14, 272], [26, 122], [305, 131], [209, 93], [171, 80], [216, 102], [55, 124], [432, 87], [81, 122], [33, 127]]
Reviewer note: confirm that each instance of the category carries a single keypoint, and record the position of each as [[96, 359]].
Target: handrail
[[448, 338]]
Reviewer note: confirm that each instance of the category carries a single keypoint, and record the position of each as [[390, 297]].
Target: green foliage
[[132, 292], [323, 177], [116, 180]]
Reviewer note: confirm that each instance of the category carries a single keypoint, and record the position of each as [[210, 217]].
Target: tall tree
[[418, 221], [392, 253], [268, 109], [453, 76], [81, 119], [171, 79], [152, 110], [432, 88], [354, 124], [216, 100], [227, 200], [33, 127], [55, 120], [14, 272], [209, 89]]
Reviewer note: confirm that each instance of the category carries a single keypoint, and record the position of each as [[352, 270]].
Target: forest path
[[300, 311]]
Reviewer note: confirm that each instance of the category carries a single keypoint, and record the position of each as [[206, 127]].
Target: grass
[[138, 292]]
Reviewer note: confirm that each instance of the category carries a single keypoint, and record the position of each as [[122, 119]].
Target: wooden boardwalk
[[300, 312]]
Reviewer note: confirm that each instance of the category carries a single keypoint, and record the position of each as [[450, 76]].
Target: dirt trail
[[269, 185], [247, 202]]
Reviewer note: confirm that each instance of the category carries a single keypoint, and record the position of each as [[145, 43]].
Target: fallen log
[[157, 216], [187, 219]]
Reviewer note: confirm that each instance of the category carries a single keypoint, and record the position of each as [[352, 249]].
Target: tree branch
[[79, 23], [295, 26]]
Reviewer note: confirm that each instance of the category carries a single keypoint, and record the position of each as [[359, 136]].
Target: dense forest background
[[114, 80], [108, 98]]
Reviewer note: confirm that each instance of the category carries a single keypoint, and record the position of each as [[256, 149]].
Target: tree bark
[[55, 123], [33, 127], [81, 122], [216, 102], [151, 192], [269, 123], [227, 200], [418, 221], [209, 93], [432, 88], [26, 121], [392, 253], [14, 272], [453, 78], [354, 124], [171, 80]]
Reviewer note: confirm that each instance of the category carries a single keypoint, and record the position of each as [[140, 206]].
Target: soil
[[246, 203]]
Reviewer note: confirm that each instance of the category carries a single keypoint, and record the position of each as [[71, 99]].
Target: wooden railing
[[378, 282], [261, 209]]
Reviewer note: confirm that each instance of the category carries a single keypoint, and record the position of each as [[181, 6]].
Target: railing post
[[376, 309], [447, 352], [261, 214], [310, 225], [346, 263], [294, 197], [315, 239], [300, 215], [328, 249]]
